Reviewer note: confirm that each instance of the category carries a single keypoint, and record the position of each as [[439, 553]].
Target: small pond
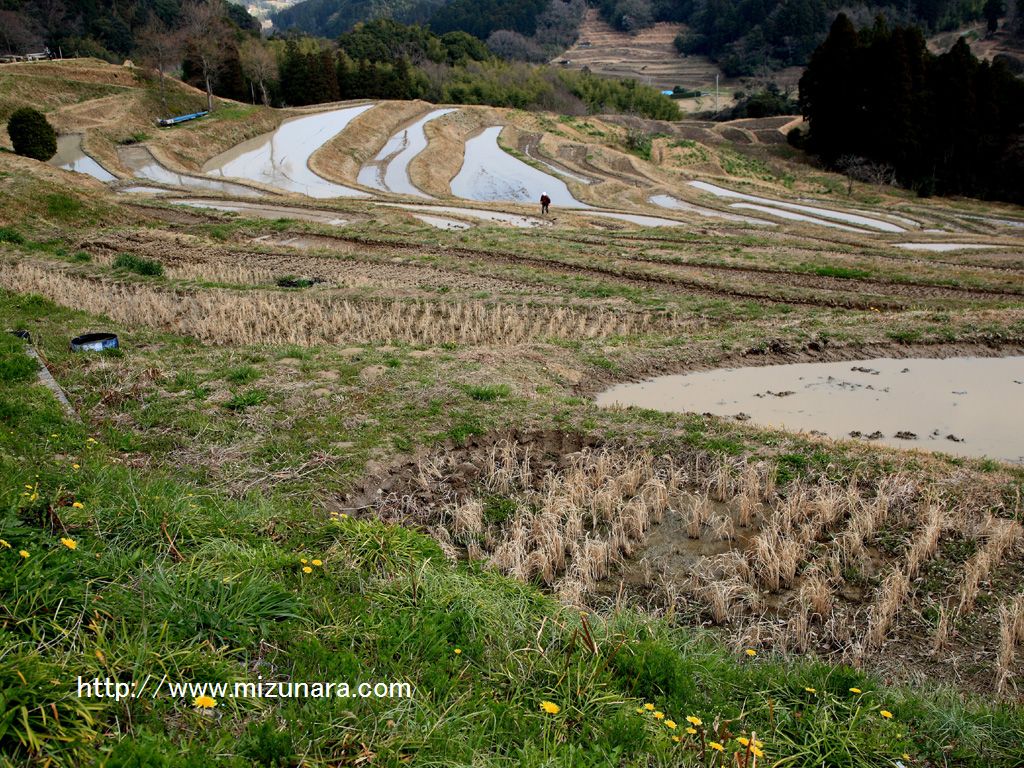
[[970, 406]]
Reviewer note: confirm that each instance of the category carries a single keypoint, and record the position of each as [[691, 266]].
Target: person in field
[[545, 201]]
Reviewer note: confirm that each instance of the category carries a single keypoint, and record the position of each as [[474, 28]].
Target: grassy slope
[[173, 578]]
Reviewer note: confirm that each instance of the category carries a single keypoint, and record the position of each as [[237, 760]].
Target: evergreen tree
[[829, 92], [31, 134], [993, 11], [948, 124]]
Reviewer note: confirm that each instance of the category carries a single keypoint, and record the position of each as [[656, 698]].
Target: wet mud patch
[[842, 568]]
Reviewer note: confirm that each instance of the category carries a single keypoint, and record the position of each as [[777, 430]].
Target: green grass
[[486, 393], [138, 265], [63, 206], [480, 651], [245, 400], [175, 575], [11, 235], [841, 272]]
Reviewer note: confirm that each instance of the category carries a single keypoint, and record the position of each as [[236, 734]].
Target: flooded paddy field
[[389, 170], [280, 159], [966, 406], [71, 157], [490, 174], [144, 166], [267, 211], [797, 211]]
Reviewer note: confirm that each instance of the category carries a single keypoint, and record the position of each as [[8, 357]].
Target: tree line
[[525, 30], [385, 59], [881, 106], [380, 60], [749, 36], [104, 29]]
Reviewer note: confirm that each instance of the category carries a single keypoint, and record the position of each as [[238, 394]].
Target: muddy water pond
[[71, 157], [280, 159], [490, 174], [969, 406]]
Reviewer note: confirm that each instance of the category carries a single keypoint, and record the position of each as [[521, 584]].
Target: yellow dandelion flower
[[458, 651], [716, 746], [649, 707], [76, 466], [78, 505], [659, 715], [856, 690], [343, 516], [694, 720], [639, 710], [691, 731], [205, 702], [750, 652], [905, 756], [756, 751], [550, 707], [677, 739], [303, 560], [318, 563], [886, 714], [811, 690], [100, 656], [69, 543], [670, 724], [23, 553], [4, 544], [306, 569], [743, 740]]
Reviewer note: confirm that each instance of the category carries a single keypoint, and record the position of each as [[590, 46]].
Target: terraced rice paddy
[[71, 157], [281, 159], [489, 174], [389, 170], [347, 328]]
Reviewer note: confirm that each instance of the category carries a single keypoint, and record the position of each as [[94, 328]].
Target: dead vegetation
[[831, 567], [229, 317]]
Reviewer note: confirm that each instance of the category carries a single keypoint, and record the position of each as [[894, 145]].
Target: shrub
[[291, 281], [639, 143], [31, 134], [139, 265]]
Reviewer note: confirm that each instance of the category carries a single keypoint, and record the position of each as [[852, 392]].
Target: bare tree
[[205, 30], [16, 35], [258, 65], [159, 46], [862, 169]]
